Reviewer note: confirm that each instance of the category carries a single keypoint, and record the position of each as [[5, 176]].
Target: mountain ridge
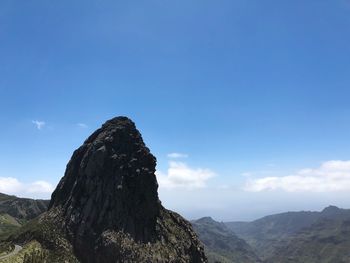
[[268, 234], [329, 234], [22, 208], [221, 244]]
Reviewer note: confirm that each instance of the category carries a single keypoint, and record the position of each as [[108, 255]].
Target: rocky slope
[[15, 211], [22, 208], [326, 241], [221, 244], [106, 207], [7, 224]]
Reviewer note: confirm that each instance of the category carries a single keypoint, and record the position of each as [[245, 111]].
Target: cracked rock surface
[[107, 204]]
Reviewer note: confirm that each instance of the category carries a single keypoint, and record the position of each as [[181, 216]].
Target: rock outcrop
[[106, 207]]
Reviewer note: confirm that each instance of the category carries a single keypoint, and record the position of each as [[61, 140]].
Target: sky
[[245, 104]]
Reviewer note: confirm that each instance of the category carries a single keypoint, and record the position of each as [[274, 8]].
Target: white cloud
[[82, 125], [39, 124], [177, 155], [40, 187], [180, 175], [331, 176], [247, 174], [12, 186]]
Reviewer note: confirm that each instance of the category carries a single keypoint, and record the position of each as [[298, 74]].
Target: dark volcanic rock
[[110, 184], [107, 204]]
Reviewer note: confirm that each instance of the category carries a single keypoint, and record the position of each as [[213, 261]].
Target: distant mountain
[[272, 233], [326, 241], [22, 208], [8, 224], [221, 244], [15, 211]]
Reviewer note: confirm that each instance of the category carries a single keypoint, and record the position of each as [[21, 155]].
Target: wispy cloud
[[177, 155], [247, 174], [12, 186], [39, 124], [40, 187], [82, 125], [180, 175], [331, 176]]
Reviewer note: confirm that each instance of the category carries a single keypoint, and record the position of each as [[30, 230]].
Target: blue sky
[[251, 91]]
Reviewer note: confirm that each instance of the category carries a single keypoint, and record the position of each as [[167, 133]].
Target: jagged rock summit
[[110, 184], [106, 207]]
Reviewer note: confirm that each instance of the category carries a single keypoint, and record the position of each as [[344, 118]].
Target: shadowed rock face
[[108, 205], [110, 184]]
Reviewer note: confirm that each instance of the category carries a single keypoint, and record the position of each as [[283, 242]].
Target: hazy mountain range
[[298, 236], [287, 237], [222, 244], [303, 236]]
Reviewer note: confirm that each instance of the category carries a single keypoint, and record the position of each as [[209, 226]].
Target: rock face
[[110, 184], [107, 203]]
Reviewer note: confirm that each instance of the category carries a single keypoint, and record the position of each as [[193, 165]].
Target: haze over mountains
[[301, 237], [221, 243], [272, 237], [287, 237]]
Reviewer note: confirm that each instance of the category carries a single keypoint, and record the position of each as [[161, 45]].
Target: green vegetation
[[36, 256], [216, 258], [32, 248], [6, 219], [265, 235], [296, 237], [4, 197], [7, 225], [327, 241], [5, 248], [23, 209], [272, 233], [46, 234]]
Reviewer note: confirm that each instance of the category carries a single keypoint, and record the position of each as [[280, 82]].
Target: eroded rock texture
[[108, 203]]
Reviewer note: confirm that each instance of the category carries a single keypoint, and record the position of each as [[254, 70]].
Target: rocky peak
[[206, 219], [331, 208], [108, 207], [110, 184]]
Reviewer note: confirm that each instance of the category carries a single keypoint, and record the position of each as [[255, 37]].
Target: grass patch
[[32, 248]]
